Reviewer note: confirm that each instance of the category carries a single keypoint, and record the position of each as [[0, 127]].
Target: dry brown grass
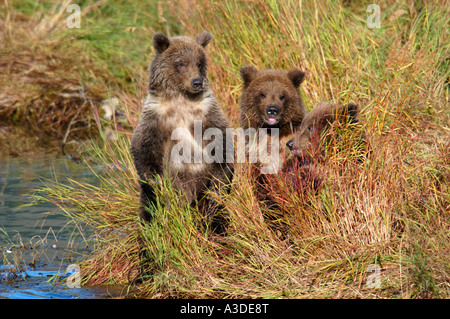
[[43, 86]]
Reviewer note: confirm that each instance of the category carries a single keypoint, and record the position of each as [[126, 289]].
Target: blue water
[[37, 284], [38, 243]]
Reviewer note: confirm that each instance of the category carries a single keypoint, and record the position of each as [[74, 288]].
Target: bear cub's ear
[[204, 38], [248, 74], [350, 112], [160, 42], [296, 76]]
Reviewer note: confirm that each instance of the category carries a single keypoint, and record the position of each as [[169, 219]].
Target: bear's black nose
[[272, 110], [290, 144], [197, 83]]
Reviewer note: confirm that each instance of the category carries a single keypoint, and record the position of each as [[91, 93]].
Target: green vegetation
[[391, 210]]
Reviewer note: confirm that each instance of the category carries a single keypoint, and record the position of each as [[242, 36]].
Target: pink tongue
[[271, 120]]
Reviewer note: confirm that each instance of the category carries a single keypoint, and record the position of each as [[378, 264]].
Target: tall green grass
[[390, 209]]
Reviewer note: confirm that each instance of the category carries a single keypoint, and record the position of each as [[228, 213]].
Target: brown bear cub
[[305, 145], [271, 99], [178, 110], [326, 130]]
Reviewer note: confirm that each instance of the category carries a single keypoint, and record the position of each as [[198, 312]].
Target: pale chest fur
[[182, 119], [179, 111]]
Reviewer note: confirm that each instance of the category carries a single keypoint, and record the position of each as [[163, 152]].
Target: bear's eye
[[310, 128], [181, 65], [262, 95], [282, 97]]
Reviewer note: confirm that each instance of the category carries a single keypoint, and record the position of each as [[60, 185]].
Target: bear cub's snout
[[272, 111], [197, 84]]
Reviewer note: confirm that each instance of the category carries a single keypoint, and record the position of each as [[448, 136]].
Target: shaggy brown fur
[[178, 96], [271, 99]]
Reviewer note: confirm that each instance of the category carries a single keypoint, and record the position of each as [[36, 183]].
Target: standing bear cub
[[177, 111], [271, 100]]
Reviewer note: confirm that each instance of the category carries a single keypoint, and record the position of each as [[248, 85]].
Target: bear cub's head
[[306, 140], [179, 66], [271, 98]]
